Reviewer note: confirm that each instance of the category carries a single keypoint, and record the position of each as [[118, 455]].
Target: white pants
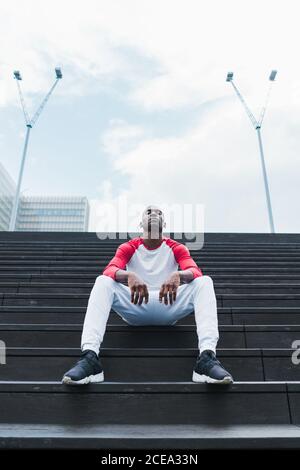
[[198, 296]]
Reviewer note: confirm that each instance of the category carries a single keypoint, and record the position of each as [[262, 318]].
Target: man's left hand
[[168, 290]]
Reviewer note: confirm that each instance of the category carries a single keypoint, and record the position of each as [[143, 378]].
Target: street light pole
[[257, 126], [13, 218], [29, 125], [271, 221]]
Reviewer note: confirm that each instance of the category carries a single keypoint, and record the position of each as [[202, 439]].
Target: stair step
[[67, 248], [101, 263], [248, 279], [126, 336], [149, 364], [100, 248], [95, 271], [265, 315], [148, 399], [111, 238], [85, 287], [75, 315], [103, 259], [223, 300], [149, 403], [145, 436]]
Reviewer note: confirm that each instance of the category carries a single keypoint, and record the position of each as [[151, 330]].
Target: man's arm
[[185, 261], [168, 290], [185, 276], [188, 271], [138, 288], [115, 270], [119, 261], [122, 276]]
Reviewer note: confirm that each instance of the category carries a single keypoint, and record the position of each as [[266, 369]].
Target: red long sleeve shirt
[[153, 266]]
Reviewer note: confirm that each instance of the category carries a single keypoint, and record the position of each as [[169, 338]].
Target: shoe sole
[[206, 379], [87, 380]]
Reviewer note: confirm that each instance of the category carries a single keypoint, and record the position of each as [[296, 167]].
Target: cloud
[[193, 44], [119, 137], [215, 163], [173, 57], [66, 34]]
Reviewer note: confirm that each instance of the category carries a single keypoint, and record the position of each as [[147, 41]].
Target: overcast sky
[[144, 111]]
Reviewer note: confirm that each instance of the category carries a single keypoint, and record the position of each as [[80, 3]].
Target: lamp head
[[58, 73], [17, 75]]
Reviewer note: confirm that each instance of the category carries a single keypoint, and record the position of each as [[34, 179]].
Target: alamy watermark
[[296, 353], [2, 352], [184, 221]]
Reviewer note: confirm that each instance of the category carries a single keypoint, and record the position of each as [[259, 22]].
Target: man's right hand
[[138, 288]]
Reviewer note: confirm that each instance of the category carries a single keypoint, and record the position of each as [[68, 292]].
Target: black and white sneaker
[[87, 370], [209, 370]]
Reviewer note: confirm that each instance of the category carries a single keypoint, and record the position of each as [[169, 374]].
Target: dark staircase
[[148, 400]]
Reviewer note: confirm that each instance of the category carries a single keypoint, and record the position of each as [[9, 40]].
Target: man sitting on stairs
[[157, 293]]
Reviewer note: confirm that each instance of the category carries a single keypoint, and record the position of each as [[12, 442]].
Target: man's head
[[153, 221]]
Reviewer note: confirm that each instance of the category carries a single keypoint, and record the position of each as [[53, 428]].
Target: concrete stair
[[148, 399]]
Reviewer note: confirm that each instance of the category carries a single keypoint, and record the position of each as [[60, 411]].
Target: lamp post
[[29, 125], [257, 126]]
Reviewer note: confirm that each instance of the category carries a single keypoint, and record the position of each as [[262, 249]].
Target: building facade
[[7, 192], [53, 214]]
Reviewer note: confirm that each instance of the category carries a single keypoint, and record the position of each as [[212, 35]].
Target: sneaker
[[87, 370], [209, 370]]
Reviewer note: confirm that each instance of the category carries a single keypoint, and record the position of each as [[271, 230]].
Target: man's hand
[[138, 288], [168, 290]]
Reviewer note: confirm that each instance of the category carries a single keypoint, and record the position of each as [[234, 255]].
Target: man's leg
[[205, 308], [88, 368], [207, 369], [198, 296], [97, 313], [105, 295]]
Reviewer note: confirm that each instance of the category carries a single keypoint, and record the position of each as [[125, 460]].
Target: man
[[157, 293]]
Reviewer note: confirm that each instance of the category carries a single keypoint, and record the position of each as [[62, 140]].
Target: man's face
[[153, 220]]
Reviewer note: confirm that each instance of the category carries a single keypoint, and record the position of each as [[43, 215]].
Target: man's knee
[[203, 280], [106, 280]]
